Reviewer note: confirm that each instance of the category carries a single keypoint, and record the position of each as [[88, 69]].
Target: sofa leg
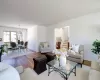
[[80, 65]]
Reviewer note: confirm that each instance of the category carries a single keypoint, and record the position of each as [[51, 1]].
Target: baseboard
[[31, 50]]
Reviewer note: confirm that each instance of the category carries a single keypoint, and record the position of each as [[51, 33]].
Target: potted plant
[[96, 47], [1, 51]]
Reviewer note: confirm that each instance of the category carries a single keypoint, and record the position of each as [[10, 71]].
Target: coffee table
[[64, 71]]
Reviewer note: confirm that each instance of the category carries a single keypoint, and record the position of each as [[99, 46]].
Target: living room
[[37, 21]]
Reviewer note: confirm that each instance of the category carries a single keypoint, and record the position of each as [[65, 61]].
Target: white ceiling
[[43, 12]]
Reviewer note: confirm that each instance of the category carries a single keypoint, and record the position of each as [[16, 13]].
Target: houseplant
[[1, 51], [96, 47]]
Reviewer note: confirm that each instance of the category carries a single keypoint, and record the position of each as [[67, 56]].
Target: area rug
[[56, 76]]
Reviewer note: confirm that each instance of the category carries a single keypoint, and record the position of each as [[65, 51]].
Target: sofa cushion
[[94, 75], [74, 55], [75, 59]]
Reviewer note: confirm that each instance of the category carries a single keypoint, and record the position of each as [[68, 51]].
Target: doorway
[[62, 37]]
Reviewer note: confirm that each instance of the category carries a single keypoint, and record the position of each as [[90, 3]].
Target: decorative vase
[[62, 61]]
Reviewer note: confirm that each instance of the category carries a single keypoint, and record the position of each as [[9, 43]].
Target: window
[[9, 36], [6, 36], [13, 36]]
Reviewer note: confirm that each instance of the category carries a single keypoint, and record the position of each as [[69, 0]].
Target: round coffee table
[[9, 74]]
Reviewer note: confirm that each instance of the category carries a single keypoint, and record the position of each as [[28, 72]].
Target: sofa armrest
[[95, 65], [94, 75], [81, 53], [20, 69], [82, 56], [82, 74]]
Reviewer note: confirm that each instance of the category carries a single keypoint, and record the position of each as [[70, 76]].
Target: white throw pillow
[[45, 45], [73, 52], [94, 75], [3, 66], [75, 48]]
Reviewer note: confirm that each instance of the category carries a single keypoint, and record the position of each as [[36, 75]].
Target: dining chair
[[13, 46]]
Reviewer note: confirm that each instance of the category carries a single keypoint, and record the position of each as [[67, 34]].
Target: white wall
[[42, 33], [83, 30], [24, 31], [66, 33], [32, 38], [36, 34]]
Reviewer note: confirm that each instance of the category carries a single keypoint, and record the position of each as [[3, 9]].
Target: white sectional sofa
[[93, 74], [26, 74], [76, 56], [81, 74]]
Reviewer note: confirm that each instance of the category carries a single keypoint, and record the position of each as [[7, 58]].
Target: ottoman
[[50, 56], [40, 64]]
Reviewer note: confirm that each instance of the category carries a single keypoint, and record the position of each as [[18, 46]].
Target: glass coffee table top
[[70, 66]]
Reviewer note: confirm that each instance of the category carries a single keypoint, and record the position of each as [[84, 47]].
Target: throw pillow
[[42, 45], [73, 52], [45, 45], [75, 48], [3, 67]]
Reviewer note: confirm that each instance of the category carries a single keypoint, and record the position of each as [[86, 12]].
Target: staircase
[[64, 44]]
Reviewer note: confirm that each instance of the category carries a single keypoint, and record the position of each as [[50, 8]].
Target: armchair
[[44, 47], [76, 56]]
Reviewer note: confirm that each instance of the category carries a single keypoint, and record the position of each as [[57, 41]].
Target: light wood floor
[[87, 63], [25, 61]]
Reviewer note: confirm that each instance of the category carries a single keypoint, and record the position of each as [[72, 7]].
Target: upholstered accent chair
[[44, 47], [76, 55], [91, 74]]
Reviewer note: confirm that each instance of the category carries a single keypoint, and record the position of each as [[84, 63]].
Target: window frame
[[9, 36]]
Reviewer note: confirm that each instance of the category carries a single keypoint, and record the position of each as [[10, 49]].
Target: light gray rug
[[55, 75], [14, 54]]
